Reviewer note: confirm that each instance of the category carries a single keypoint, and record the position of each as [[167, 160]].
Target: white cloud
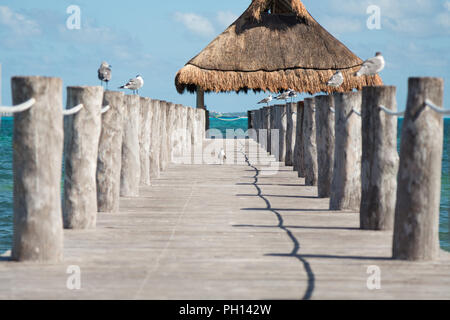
[[195, 23], [18, 23], [338, 24], [226, 18], [447, 5], [414, 17]]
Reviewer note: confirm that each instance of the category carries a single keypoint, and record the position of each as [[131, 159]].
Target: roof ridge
[[258, 7]]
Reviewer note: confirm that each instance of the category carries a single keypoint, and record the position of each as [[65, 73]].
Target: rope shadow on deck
[[294, 253]]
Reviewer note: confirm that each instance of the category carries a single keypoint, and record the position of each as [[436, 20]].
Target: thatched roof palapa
[[273, 46]]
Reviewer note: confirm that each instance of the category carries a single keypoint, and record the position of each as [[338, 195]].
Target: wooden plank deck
[[227, 232]]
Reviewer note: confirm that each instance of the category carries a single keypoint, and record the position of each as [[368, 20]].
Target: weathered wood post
[[183, 130], [274, 134], [325, 143], [109, 161], [346, 183], [171, 129], [178, 133], [282, 126], [256, 124], [81, 140], [169, 132], [291, 128], [155, 140], [197, 143], [309, 143], [145, 119], [130, 172], [164, 155], [379, 159], [190, 118], [37, 162], [298, 149], [416, 229], [266, 125]]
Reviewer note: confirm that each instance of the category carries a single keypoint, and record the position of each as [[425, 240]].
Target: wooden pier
[[233, 231]]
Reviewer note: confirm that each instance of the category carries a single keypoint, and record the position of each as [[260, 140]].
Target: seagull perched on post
[[134, 84], [222, 156], [336, 80], [104, 73], [266, 100], [371, 66], [292, 94], [285, 95]]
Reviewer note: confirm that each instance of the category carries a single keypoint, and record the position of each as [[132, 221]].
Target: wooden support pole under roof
[[200, 98]]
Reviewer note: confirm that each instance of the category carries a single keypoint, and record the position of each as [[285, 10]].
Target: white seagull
[[134, 84], [266, 100], [372, 66], [222, 156], [336, 80], [104, 73], [292, 94], [285, 95]]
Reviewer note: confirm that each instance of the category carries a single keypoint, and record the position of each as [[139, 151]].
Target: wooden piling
[[416, 228], [273, 138], [346, 183], [145, 119], [37, 162], [325, 143], [171, 128], [155, 141], [190, 119], [266, 126], [379, 159], [131, 162], [81, 139], [298, 149], [183, 131], [281, 124], [291, 132], [309, 143], [109, 161], [164, 150]]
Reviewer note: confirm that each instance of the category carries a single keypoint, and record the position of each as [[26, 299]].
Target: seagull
[[104, 73], [222, 156], [134, 84], [372, 66], [336, 80], [284, 96], [266, 100], [292, 94]]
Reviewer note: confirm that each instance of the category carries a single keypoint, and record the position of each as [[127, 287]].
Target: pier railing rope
[[428, 103], [435, 108], [18, 108], [230, 120], [105, 109], [72, 111], [391, 113]]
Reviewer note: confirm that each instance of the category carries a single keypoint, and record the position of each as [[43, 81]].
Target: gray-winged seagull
[[371, 66], [104, 73], [134, 84], [266, 100], [336, 80]]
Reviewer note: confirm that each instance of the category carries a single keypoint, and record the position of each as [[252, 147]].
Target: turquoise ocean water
[[6, 178]]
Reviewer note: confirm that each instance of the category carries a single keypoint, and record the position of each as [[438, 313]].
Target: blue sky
[[155, 39]]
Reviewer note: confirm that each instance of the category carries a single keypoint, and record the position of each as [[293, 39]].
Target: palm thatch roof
[[274, 45]]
